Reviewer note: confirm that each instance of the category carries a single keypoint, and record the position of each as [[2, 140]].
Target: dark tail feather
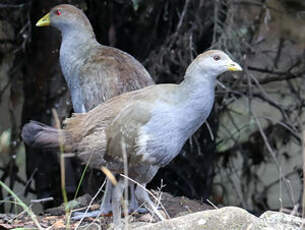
[[39, 135]]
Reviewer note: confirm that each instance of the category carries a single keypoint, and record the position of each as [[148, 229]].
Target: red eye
[[216, 58], [58, 12]]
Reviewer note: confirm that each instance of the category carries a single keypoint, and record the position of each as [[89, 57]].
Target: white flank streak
[[141, 143], [83, 108]]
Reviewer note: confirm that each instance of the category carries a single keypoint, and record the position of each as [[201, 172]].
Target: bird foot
[[139, 210], [98, 213], [92, 214]]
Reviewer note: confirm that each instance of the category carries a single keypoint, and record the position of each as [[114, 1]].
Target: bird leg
[[117, 193], [133, 204], [143, 196], [105, 208]]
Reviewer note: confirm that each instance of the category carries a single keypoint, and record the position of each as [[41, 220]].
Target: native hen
[[149, 125]]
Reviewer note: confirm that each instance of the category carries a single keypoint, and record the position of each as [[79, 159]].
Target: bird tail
[[39, 135]]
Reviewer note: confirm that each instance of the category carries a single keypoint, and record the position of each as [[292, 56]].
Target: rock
[[228, 218], [281, 221]]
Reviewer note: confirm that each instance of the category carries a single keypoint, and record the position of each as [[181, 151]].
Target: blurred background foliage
[[249, 154]]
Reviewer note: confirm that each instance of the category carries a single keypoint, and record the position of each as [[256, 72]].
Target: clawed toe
[[93, 214], [140, 210]]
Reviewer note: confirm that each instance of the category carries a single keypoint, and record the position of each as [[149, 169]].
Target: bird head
[[212, 63], [66, 17]]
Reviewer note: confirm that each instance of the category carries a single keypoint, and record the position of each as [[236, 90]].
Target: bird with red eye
[[58, 12], [94, 73]]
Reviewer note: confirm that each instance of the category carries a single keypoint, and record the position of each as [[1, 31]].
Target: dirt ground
[[55, 218]]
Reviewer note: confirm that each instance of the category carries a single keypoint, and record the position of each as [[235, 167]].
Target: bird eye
[[216, 58], [58, 12]]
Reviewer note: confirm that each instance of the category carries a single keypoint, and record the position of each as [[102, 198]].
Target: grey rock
[[220, 219], [228, 218], [281, 221]]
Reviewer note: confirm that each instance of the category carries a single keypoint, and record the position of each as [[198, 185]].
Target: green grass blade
[[22, 204]]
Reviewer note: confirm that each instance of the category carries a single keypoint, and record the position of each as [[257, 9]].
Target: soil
[[56, 219]]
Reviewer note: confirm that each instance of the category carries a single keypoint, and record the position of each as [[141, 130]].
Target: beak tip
[[44, 21], [235, 67], [239, 68]]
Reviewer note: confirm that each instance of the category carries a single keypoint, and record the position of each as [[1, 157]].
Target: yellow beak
[[44, 21], [233, 66]]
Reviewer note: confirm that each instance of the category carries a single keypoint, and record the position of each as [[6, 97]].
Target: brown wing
[[111, 72], [124, 134], [91, 132]]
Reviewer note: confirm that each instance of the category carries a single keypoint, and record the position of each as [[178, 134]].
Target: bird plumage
[[149, 125], [106, 73], [94, 73]]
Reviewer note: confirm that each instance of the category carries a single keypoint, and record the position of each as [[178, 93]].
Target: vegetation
[[250, 152]]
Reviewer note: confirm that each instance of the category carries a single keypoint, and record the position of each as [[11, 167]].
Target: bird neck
[[198, 85], [75, 39], [74, 47], [196, 99], [189, 105]]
